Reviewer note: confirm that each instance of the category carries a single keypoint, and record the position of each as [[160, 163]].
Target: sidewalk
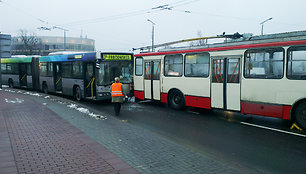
[[34, 139]]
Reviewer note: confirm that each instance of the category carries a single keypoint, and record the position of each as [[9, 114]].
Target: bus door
[[23, 75], [152, 79], [225, 86], [89, 81], [57, 71]]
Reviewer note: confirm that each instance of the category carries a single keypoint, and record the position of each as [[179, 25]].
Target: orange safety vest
[[116, 90]]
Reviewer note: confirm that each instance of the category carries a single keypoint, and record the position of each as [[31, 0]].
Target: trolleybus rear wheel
[[177, 100], [77, 93], [300, 115]]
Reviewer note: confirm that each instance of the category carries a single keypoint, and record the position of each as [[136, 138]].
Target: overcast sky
[[120, 25]]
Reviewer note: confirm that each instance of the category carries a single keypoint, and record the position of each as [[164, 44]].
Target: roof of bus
[[27, 59], [283, 39], [69, 57]]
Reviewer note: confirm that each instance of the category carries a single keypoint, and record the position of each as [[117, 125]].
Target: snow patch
[[8, 90], [14, 101], [32, 94], [87, 112]]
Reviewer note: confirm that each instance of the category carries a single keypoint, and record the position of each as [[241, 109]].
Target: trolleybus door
[[23, 75], [225, 86], [57, 71], [152, 80], [89, 82]]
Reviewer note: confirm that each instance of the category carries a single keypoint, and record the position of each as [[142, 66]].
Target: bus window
[[296, 63], [29, 69], [197, 65], [138, 66], [66, 69], [77, 69], [3, 68], [50, 69], [43, 69], [174, 65], [265, 63]]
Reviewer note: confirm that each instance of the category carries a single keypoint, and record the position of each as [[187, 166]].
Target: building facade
[[43, 45], [5, 45]]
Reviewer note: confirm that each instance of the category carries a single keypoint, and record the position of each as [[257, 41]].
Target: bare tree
[[27, 44], [199, 42]]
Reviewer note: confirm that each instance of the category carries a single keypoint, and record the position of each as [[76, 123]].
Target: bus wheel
[[176, 100], [45, 88], [300, 115], [10, 84], [77, 93]]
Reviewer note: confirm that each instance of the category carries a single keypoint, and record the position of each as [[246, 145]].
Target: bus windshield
[[111, 69]]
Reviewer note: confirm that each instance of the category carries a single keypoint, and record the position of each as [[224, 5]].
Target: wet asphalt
[[221, 135]]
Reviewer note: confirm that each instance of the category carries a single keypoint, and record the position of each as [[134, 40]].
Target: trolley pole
[[262, 24], [152, 34]]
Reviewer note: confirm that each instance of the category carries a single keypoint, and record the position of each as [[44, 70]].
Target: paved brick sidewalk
[[33, 139]]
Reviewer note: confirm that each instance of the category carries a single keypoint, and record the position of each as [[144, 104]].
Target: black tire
[[300, 115], [176, 100], [45, 88], [10, 84], [77, 93]]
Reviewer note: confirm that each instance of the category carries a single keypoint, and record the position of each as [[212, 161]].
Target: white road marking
[[278, 130]]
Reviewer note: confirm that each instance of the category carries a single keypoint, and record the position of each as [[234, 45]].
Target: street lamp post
[[55, 27], [262, 23], [152, 34]]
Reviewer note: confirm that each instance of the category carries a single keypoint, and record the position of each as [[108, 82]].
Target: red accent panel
[[139, 94], [264, 109], [299, 42], [163, 97], [199, 102], [286, 112]]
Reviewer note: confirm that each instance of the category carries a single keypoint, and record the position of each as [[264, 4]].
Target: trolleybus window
[[174, 65], [264, 63], [297, 63], [138, 66], [148, 71], [197, 65], [233, 71], [217, 71]]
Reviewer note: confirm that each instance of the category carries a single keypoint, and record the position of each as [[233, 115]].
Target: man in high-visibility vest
[[117, 95]]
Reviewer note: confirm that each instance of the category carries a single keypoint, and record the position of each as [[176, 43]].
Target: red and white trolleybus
[[260, 75]]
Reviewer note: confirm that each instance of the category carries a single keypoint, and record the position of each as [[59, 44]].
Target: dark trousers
[[117, 107]]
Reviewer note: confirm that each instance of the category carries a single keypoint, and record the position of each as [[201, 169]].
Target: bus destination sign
[[116, 57]]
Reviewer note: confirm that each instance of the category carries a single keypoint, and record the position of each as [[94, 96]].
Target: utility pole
[[152, 34], [262, 23], [64, 35]]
